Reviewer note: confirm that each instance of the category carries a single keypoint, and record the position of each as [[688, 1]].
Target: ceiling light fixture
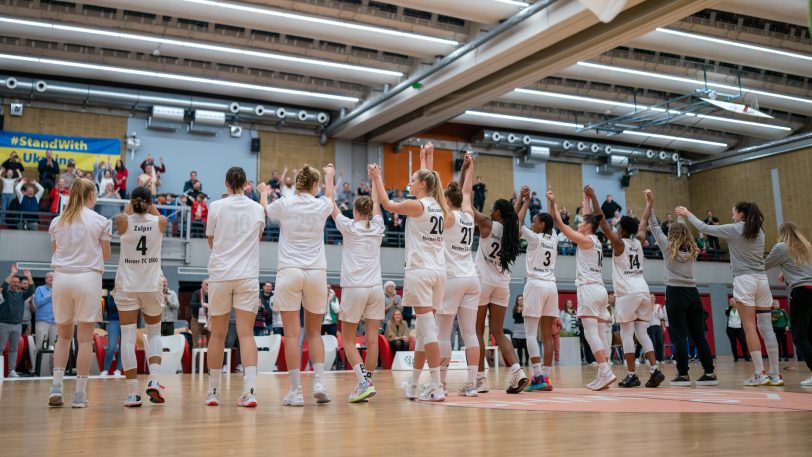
[[523, 119], [674, 138], [735, 44], [172, 76], [513, 2], [599, 101], [322, 21], [189, 44], [692, 81]]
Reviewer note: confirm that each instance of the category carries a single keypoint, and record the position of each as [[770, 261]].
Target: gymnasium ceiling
[[558, 68]]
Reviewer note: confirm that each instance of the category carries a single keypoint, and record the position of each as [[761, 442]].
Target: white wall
[[606, 185], [535, 177]]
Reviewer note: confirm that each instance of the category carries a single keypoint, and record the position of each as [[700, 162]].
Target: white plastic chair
[[267, 352], [330, 350]]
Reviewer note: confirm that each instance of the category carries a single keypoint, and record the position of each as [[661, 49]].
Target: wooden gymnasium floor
[[494, 424]]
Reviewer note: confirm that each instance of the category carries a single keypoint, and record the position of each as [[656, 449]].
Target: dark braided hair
[[140, 199], [510, 234], [547, 220], [629, 226], [753, 219]]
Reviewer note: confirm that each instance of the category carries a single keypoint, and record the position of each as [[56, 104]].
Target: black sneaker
[[682, 380], [708, 379], [631, 380], [656, 379]]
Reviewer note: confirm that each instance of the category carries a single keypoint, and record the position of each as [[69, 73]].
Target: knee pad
[[641, 330], [592, 336], [765, 328], [154, 345], [426, 328], [128, 361], [627, 337]]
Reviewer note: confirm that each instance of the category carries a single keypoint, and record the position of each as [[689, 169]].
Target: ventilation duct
[[165, 118]]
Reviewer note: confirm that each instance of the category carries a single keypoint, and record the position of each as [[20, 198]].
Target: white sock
[[318, 369], [515, 367], [435, 376], [132, 386], [58, 374], [472, 370], [359, 371], [249, 380], [480, 374], [415, 379], [545, 371], [154, 371], [603, 368], [536, 369], [295, 379], [214, 379], [653, 368], [758, 362], [81, 384]]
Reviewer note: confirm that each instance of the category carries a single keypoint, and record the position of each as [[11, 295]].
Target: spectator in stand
[[666, 226], [156, 169], [197, 189], [170, 313], [102, 174], [121, 178], [578, 217], [397, 332], [249, 191], [286, 187], [10, 179], [565, 215], [479, 194], [70, 173], [398, 223], [199, 317], [702, 243], [567, 316], [780, 322], [200, 214], [28, 310], [345, 197], [264, 314], [735, 332], [535, 206], [519, 336], [558, 326], [13, 163], [150, 178], [109, 210], [29, 203], [274, 181], [713, 242], [610, 207], [656, 329], [113, 334], [630, 213], [363, 189], [44, 323], [391, 300], [276, 319], [59, 191], [615, 221], [398, 196], [189, 185], [48, 168], [11, 314], [329, 325]]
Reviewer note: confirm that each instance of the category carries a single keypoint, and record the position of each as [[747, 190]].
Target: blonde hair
[[364, 206], [798, 246], [680, 239], [434, 187], [306, 177], [81, 191]]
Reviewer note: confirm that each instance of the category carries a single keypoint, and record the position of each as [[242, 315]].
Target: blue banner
[[31, 147]]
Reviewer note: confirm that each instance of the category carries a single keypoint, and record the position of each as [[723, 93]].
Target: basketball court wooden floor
[[571, 421]]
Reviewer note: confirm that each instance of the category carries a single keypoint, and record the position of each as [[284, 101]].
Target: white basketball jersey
[[139, 262], [542, 251], [589, 264], [424, 238], [488, 256], [458, 239], [627, 269]]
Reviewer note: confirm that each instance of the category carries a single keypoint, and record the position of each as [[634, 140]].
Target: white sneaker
[[294, 398], [55, 398], [410, 390], [434, 393], [80, 400], [133, 401], [517, 381], [776, 379], [758, 379], [117, 373], [468, 390], [103, 373], [225, 369], [592, 383], [13, 374], [211, 399], [482, 385], [604, 381], [247, 400], [807, 382], [320, 391]]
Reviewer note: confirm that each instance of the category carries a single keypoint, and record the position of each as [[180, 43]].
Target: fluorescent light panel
[[512, 2], [176, 77], [599, 101], [189, 44], [319, 20], [674, 138], [735, 44], [692, 81]]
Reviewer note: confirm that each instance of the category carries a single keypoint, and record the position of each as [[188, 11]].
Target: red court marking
[[639, 400]]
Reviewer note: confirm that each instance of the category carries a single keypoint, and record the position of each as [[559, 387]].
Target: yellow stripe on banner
[[84, 160]]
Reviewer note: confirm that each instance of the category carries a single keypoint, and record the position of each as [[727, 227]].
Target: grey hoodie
[[746, 256], [794, 275], [679, 272]]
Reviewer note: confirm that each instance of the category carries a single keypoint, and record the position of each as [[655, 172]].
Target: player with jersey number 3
[[139, 288]]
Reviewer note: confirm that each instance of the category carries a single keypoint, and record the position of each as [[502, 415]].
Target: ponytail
[[81, 191], [753, 219], [141, 199], [434, 188], [364, 206], [510, 234]]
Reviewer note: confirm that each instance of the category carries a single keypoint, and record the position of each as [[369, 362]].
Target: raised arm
[[427, 156], [522, 203], [409, 208], [329, 188], [464, 175], [581, 240], [376, 200], [617, 245], [643, 228], [724, 232], [18, 191], [465, 183]]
